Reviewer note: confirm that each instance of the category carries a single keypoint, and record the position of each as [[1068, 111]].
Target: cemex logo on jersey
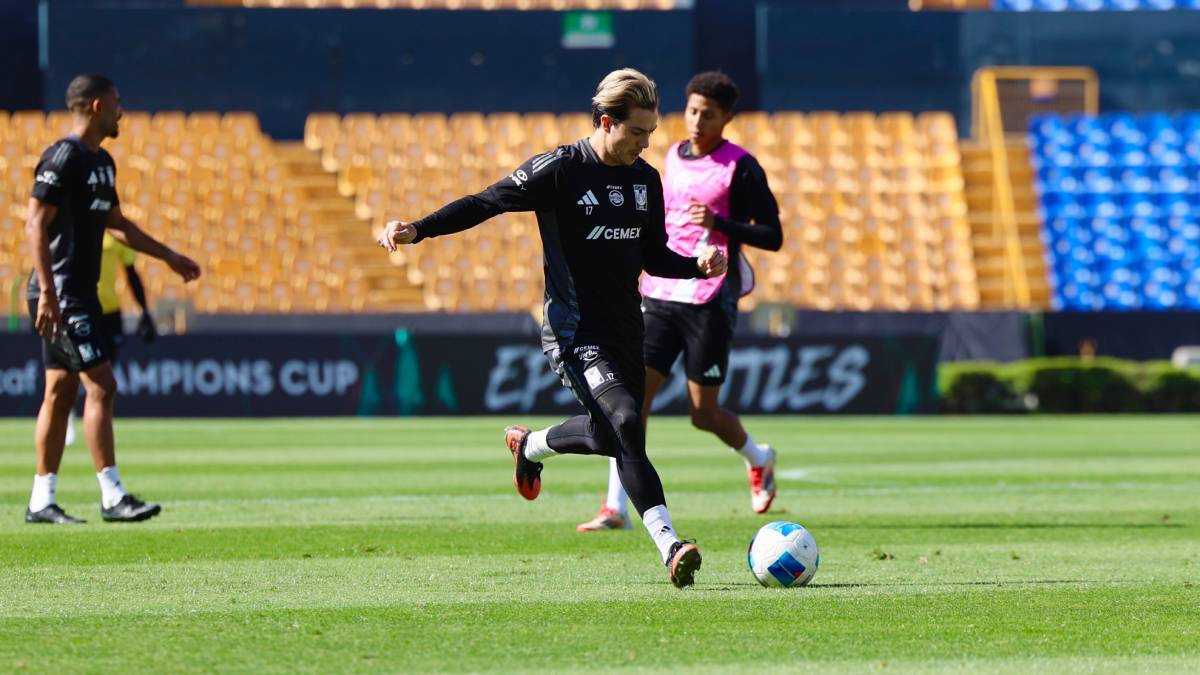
[[602, 232]]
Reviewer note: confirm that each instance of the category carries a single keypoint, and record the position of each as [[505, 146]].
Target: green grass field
[[947, 545]]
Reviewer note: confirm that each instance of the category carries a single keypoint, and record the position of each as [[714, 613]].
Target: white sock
[[753, 453], [536, 448], [111, 490], [43, 491], [658, 524], [617, 499], [70, 437]]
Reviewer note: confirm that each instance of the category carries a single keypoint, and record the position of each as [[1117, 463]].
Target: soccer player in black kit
[[600, 210], [74, 202]]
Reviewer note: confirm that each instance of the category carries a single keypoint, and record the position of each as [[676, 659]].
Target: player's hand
[[712, 262], [700, 214], [146, 329], [396, 233], [48, 321], [184, 266]]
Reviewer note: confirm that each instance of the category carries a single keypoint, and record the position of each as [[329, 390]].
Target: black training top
[[601, 226], [82, 184]]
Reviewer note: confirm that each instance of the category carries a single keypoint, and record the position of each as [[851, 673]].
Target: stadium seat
[[1139, 205], [207, 181]]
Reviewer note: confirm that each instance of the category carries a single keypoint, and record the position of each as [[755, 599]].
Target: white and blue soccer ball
[[783, 555]]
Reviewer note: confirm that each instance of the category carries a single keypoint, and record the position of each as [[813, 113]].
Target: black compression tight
[[614, 429]]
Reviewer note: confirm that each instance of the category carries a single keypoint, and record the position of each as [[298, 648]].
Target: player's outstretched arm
[[127, 232], [48, 320], [529, 188]]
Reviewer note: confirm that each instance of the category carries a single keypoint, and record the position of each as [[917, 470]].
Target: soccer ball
[[783, 555]]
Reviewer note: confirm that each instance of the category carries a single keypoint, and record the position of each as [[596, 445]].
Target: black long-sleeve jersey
[[83, 185], [601, 226]]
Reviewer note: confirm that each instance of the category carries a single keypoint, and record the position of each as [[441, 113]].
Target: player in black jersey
[[717, 194], [74, 202], [600, 211]]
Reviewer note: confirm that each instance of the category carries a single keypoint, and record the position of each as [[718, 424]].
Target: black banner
[[206, 375]]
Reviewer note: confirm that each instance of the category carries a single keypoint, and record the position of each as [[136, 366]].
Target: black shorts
[[589, 370], [704, 333], [83, 344]]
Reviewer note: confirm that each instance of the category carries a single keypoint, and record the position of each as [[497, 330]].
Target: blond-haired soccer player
[[600, 211], [716, 195]]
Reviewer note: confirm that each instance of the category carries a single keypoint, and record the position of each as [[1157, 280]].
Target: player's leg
[[662, 344], [708, 341], [708, 415], [614, 514], [62, 386], [115, 503], [614, 427]]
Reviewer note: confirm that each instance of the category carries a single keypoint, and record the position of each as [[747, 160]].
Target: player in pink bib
[[715, 194]]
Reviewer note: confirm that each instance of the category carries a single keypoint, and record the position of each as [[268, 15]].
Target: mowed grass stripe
[[948, 545], [660, 632]]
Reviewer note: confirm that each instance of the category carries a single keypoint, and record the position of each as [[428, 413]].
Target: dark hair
[[717, 86], [86, 88]]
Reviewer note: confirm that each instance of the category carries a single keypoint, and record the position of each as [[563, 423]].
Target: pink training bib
[[704, 180]]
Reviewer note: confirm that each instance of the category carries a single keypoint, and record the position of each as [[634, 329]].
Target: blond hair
[[621, 90]]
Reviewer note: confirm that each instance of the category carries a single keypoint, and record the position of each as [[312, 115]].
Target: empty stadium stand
[[1121, 209], [211, 185], [873, 206]]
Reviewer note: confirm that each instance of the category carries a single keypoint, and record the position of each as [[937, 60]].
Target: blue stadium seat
[[1120, 198], [1092, 5]]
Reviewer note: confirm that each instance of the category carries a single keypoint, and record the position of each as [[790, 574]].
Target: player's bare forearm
[[37, 234], [127, 232]]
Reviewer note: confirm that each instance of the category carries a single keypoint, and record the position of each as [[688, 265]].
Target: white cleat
[[762, 484]]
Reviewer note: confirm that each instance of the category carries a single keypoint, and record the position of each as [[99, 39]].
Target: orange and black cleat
[[526, 474], [683, 562]]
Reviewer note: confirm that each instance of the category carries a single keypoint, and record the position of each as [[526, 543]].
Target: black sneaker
[[527, 475], [52, 514], [683, 561], [129, 510]]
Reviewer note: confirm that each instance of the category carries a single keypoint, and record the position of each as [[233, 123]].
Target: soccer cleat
[[52, 514], [130, 510], [762, 484], [606, 519], [683, 562], [526, 474]]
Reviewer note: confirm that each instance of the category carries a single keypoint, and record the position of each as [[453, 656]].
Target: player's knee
[[704, 419], [61, 397], [102, 390], [627, 421]]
